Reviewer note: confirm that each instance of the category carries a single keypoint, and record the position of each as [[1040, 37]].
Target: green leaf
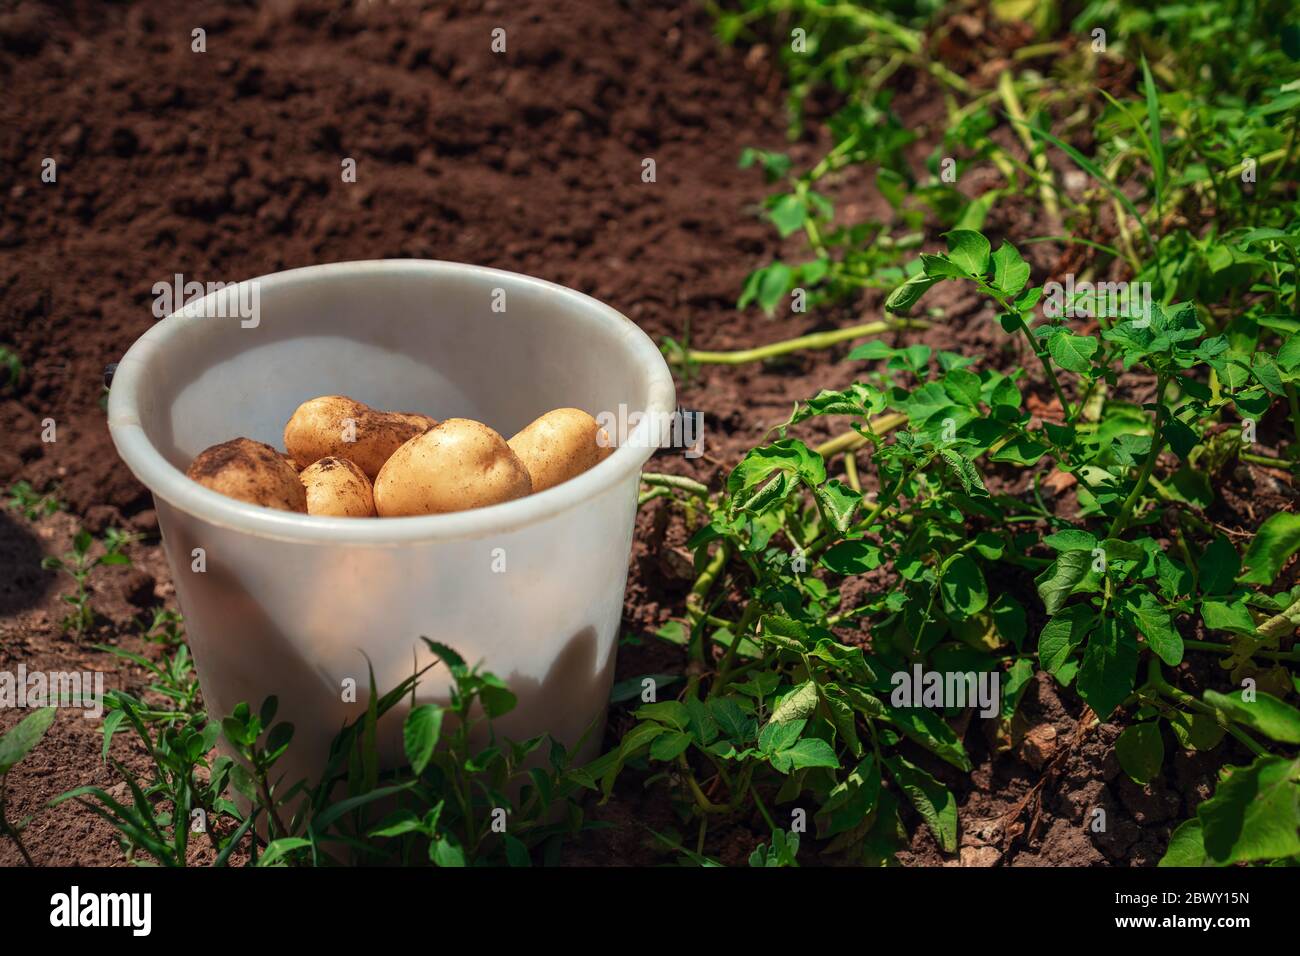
[[1108, 669], [788, 214], [1073, 352], [849, 802], [789, 456], [1231, 616], [839, 502], [1156, 137], [1071, 539], [732, 721], [932, 800], [798, 704], [420, 734], [1141, 751], [780, 735], [1058, 581], [1254, 814], [446, 853], [966, 473], [808, 752], [931, 731], [852, 557], [1156, 626], [1020, 451], [1009, 619], [1181, 438], [1186, 846], [963, 588], [277, 849], [969, 250], [1196, 731], [1288, 357], [902, 299], [1276, 540], [1010, 271], [455, 663], [18, 742], [516, 851], [1275, 719], [962, 387], [1062, 634], [668, 746], [1218, 567], [111, 722], [775, 282], [671, 713]]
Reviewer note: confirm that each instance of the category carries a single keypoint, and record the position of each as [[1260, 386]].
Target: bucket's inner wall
[[398, 340]]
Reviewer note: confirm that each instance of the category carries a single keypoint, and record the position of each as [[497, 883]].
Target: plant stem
[[752, 610], [1047, 187], [1280, 624], [816, 340], [1294, 401], [264, 790], [1158, 682], [679, 482], [1225, 649], [1034, 347], [695, 608], [1144, 476], [6, 827], [851, 472], [851, 440]]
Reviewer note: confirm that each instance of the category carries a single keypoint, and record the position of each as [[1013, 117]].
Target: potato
[[337, 426], [336, 486], [560, 445], [455, 466], [249, 471]]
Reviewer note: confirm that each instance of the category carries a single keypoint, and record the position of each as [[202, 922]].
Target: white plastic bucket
[[293, 605]]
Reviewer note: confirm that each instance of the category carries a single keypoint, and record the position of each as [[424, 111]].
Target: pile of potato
[[346, 459]]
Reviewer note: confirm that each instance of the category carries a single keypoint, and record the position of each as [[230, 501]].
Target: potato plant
[[1152, 378]]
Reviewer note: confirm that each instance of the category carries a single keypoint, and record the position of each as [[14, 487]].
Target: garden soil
[[226, 164]]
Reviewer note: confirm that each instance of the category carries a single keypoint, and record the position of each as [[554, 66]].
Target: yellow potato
[[336, 486], [337, 426], [561, 445], [249, 471], [455, 466]]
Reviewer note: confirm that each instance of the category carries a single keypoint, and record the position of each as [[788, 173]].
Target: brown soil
[[226, 165]]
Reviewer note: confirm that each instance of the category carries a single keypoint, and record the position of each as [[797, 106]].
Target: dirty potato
[[560, 445], [338, 426], [455, 466], [249, 471], [337, 487]]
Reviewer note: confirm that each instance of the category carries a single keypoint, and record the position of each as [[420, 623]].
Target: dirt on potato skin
[[226, 165]]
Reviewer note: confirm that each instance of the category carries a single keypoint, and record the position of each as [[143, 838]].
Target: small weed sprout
[[30, 503], [77, 564], [16, 744]]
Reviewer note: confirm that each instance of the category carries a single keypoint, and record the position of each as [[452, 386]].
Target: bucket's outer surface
[[298, 607]]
